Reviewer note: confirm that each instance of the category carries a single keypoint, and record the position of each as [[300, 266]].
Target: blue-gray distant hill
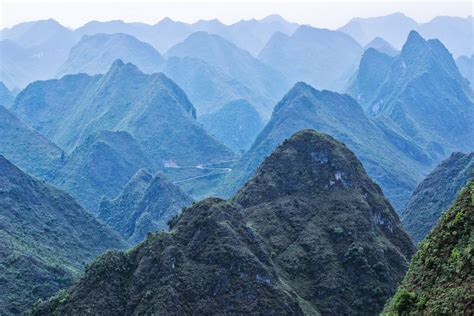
[[236, 124], [96, 53], [323, 58], [454, 32], [466, 67], [263, 80], [420, 94], [151, 108]]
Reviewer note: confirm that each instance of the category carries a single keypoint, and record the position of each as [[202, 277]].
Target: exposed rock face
[[439, 280], [309, 234], [46, 238], [436, 193], [145, 205]]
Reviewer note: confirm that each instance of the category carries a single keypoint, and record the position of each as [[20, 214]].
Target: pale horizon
[[323, 14]]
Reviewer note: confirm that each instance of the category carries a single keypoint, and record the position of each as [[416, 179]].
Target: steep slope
[[236, 124], [95, 54], [151, 108], [101, 166], [393, 162], [333, 236], [373, 69], [207, 86], [320, 57], [27, 148], [394, 28], [332, 227], [425, 98], [145, 205], [237, 63], [466, 68], [436, 193], [382, 46], [6, 96], [439, 280], [45, 239]]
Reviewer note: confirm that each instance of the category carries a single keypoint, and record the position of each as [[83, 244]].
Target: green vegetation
[[309, 234], [45, 239], [440, 278]]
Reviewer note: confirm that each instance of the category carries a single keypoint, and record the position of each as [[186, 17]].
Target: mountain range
[[310, 221], [397, 169], [320, 57], [46, 238], [454, 32]]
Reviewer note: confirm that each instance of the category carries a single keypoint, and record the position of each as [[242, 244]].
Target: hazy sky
[[330, 14]]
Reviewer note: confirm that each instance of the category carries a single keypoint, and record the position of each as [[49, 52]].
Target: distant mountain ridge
[[151, 108]]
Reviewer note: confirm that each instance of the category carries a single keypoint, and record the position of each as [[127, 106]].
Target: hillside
[[309, 221], [151, 108], [394, 163], [145, 205], [439, 280], [46, 238], [435, 194], [236, 124]]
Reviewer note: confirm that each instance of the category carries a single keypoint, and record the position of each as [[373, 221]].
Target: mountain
[[373, 69], [409, 99], [439, 280], [236, 124], [320, 57], [46, 238], [309, 223], [151, 108], [207, 86], [237, 63], [250, 35], [27, 148], [393, 162], [101, 166], [394, 28], [454, 32], [466, 68], [6, 96], [435, 194], [33, 51], [382, 46], [145, 205], [96, 53]]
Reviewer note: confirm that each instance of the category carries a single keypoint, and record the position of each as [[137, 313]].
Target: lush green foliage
[[45, 239], [440, 278], [309, 234]]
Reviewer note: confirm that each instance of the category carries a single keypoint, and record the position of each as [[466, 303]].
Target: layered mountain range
[[311, 214]]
